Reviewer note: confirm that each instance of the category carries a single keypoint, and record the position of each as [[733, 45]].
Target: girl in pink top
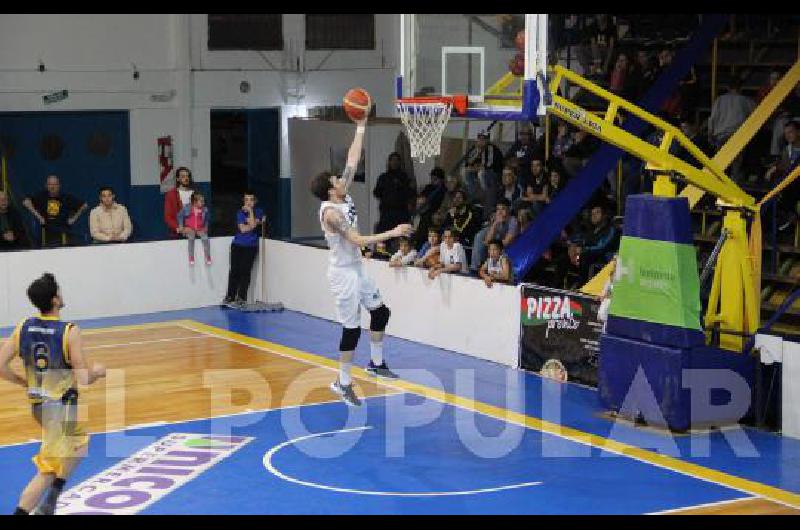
[[193, 223]]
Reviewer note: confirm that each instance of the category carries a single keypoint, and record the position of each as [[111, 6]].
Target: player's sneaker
[[380, 370], [208, 260], [347, 393], [191, 261]]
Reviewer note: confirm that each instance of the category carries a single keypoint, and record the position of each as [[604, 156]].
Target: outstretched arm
[[335, 222], [354, 154]]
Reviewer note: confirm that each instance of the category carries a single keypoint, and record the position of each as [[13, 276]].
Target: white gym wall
[[92, 56]]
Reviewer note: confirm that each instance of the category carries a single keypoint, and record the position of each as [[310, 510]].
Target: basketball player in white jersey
[[348, 280]]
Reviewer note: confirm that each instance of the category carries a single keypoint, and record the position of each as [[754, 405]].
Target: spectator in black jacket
[[434, 192], [462, 218], [524, 149], [597, 244], [395, 194], [56, 212], [483, 168], [12, 229]]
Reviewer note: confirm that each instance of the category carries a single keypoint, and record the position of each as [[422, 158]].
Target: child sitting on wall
[[193, 223]]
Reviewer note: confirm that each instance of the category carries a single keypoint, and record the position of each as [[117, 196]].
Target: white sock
[[376, 352], [344, 373]]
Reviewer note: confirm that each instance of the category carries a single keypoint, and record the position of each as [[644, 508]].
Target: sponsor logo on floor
[[148, 475]]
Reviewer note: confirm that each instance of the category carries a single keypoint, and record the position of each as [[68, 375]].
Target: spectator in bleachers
[[766, 88], [788, 110], [12, 228], [502, 226], [395, 194], [405, 255], [434, 192], [428, 202], [789, 159], [462, 218], [692, 132], [428, 254], [452, 257], [555, 183], [482, 172], [452, 184], [789, 154], [109, 221], [578, 153], [646, 67], [486, 155], [728, 113], [524, 219], [562, 141], [623, 78], [193, 221], [673, 105], [510, 190], [534, 194], [56, 213], [596, 243], [496, 268], [524, 149], [602, 39], [177, 198], [379, 251]]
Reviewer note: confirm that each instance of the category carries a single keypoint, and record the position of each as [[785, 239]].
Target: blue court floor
[[403, 454]]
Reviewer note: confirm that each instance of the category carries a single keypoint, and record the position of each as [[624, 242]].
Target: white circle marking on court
[[271, 468]]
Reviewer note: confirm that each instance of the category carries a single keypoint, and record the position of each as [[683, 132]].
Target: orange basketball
[[357, 103]]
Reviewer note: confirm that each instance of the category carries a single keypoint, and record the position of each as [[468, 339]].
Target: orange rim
[[457, 101]]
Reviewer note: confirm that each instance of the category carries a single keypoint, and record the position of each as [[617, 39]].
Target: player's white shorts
[[352, 288]]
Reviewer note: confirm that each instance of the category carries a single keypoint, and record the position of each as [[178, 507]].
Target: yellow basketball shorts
[[63, 437]]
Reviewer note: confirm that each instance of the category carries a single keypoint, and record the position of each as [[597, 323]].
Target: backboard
[[449, 54]]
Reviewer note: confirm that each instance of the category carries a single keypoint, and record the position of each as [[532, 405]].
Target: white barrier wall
[[116, 280], [451, 312]]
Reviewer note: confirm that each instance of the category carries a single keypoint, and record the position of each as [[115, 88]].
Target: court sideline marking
[[670, 463], [704, 505]]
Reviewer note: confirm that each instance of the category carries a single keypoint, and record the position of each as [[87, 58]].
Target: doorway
[[245, 154]]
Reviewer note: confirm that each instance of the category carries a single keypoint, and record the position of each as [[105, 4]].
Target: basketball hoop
[[425, 119]]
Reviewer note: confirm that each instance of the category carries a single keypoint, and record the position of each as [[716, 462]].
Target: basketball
[[519, 40], [357, 103], [517, 65]]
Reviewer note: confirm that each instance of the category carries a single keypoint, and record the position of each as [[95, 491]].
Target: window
[[245, 32], [340, 32]]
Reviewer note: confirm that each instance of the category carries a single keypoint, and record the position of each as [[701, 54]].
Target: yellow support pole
[[664, 186]]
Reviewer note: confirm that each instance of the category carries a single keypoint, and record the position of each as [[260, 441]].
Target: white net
[[425, 123]]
